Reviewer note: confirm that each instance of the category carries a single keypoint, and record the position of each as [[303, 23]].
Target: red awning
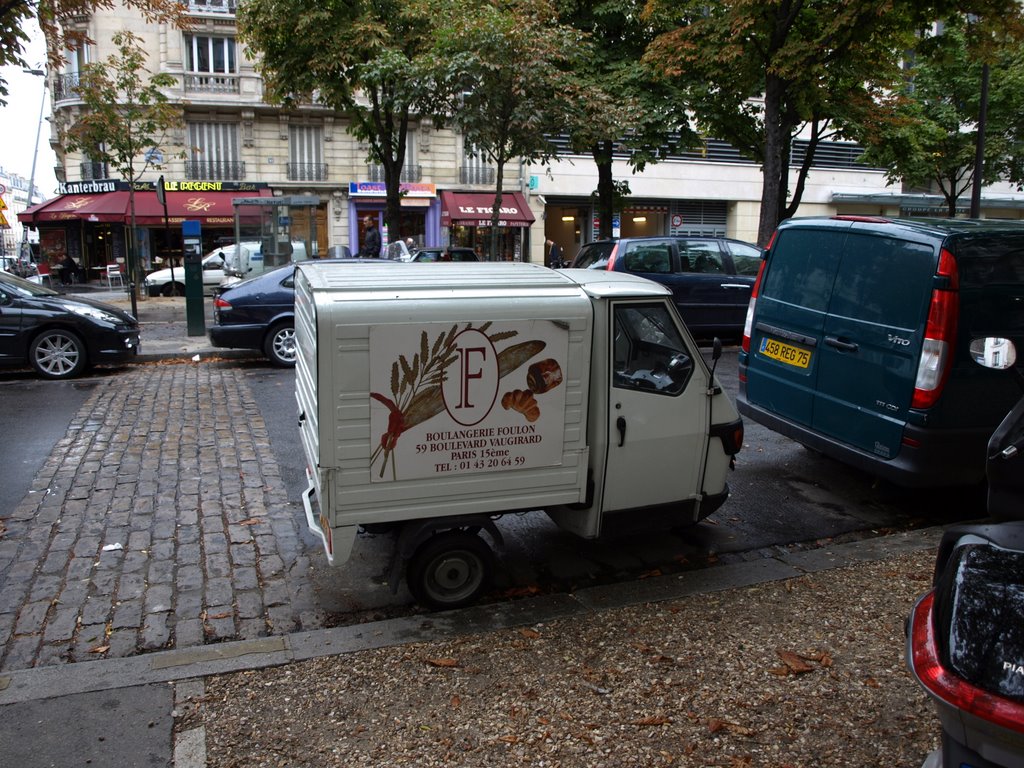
[[212, 208], [105, 207], [474, 209]]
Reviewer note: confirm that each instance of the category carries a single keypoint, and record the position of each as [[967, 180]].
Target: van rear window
[[803, 266], [884, 280]]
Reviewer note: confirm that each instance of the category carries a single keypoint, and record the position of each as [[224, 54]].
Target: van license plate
[[785, 353]]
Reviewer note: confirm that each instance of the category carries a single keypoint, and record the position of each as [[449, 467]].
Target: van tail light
[[612, 257], [748, 324], [939, 336], [926, 664]]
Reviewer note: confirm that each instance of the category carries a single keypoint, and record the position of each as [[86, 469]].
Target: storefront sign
[[379, 189], [460, 399], [88, 187], [115, 185]]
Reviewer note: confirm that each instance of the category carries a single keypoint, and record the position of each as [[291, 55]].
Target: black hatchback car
[[710, 277], [61, 336], [259, 313]]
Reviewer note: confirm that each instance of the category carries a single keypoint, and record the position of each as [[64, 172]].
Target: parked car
[[710, 277], [259, 313], [171, 282], [60, 336], [857, 341]]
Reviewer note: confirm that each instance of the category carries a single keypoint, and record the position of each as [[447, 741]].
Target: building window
[[214, 152], [210, 64], [306, 154], [475, 167]]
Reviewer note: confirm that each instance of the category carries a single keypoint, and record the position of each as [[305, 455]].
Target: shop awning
[[474, 209], [212, 208]]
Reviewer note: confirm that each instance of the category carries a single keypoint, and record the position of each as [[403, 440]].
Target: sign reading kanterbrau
[[449, 399]]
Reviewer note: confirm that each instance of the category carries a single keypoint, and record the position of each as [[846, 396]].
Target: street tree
[[125, 121], [57, 19], [758, 74], [627, 110], [368, 60], [931, 136], [510, 69]]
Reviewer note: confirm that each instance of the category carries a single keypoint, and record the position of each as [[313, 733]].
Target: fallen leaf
[[650, 574], [223, 615], [443, 662], [250, 521], [100, 649], [509, 739], [872, 683], [455, 702], [653, 720], [716, 724], [779, 671], [792, 660], [532, 634]]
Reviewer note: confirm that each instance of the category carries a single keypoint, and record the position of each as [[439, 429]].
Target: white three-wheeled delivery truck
[[434, 398]]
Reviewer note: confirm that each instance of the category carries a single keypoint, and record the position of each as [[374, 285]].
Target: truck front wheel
[[450, 570]]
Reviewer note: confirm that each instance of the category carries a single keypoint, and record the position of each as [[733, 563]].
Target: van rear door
[[786, 339], [871, 341]]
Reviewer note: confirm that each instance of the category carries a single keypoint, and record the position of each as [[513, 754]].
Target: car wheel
[[58, 354], [450, 570], [173, 289], [280, 345]]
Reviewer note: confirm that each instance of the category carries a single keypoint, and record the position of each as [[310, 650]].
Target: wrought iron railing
[[94, 170], [65, 86], [215, 170], [477, 174], [410, 173], [307, 171]]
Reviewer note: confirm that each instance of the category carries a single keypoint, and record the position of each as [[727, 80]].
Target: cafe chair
[[114, 275], [45, 275]]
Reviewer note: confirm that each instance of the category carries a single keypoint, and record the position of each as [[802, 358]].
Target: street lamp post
[[35, 156]]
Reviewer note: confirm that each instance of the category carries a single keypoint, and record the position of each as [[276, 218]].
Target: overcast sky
[[20, 121]]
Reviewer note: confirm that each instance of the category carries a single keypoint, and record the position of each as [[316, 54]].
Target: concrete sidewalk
[[121, 711]]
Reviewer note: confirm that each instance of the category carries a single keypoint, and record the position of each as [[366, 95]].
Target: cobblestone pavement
[[160, 520]]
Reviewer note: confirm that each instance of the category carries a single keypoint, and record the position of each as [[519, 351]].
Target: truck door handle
[[621, 424], [845, 346]]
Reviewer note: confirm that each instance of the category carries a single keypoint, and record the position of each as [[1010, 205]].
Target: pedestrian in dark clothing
[[68, 271], [554, 255], [371, 245]]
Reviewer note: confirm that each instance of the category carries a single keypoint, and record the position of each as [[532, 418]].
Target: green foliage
[[930, 134]]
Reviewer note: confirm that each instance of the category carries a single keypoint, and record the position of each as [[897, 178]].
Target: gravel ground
[[795, 674]]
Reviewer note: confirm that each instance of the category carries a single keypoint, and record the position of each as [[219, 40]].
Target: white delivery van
[[247, 259], [434, 400]]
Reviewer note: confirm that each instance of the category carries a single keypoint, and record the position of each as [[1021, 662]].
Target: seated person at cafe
[[70, 272]]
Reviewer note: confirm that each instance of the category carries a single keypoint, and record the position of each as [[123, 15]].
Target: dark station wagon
[[710, 277]]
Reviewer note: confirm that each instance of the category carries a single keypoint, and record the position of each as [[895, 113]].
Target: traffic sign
[[3, 205], [3, 221], [3, 189]]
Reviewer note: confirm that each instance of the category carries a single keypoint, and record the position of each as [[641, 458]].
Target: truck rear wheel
[[450, 570]]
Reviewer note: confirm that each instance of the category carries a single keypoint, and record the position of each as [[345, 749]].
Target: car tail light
[[939, 336], [748, 324], [926, 664], [221, 304], [612, 256]]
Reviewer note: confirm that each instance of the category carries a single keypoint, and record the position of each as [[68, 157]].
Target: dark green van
[[857, 334]]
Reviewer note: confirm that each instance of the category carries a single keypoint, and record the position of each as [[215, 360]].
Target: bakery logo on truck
[[456, 399]]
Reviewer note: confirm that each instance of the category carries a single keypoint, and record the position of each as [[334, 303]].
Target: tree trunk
[[772, 168], [602, 152], [496, 209]]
